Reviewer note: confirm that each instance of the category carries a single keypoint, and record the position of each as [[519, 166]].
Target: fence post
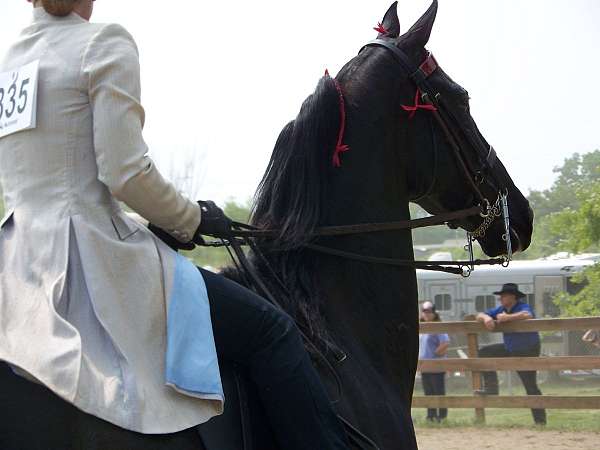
[[476, 376]]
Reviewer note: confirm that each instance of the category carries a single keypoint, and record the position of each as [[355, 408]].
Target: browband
[[420, 74]]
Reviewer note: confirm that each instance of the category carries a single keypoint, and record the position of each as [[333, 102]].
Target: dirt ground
[[510, 439]]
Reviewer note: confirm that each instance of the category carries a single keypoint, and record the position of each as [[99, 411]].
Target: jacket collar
[[41, 16]]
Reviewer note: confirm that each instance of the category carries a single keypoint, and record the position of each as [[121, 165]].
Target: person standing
[[512, 308], [433, 346]]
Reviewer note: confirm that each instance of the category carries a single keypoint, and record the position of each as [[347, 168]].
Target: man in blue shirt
[[511, 308]]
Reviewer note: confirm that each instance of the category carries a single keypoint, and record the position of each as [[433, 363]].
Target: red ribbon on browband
[[340, 147], [418, 105]]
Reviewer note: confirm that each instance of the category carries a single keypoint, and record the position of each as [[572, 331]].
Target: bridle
[[443, 115], [450, 126]]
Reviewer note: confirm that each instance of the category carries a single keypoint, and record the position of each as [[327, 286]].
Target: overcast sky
[[220, 79]]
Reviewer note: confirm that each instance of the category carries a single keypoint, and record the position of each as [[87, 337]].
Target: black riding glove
[[213, 222], [170, 240]]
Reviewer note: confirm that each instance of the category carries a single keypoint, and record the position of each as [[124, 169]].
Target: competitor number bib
[[18, 99]]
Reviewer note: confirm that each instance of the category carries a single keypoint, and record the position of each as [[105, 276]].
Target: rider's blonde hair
[[58, 8]]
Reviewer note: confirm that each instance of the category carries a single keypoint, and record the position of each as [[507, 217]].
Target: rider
[[93, 305]]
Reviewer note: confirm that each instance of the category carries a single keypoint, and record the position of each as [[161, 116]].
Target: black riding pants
[[435, 384], [528, 377], [266, 342]]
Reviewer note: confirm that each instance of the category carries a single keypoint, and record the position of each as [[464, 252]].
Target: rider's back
[[83, 289]]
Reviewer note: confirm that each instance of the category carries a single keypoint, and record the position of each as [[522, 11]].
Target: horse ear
[[419, 33], [390, 26]]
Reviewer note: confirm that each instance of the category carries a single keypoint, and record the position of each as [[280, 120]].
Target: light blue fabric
[[191, 362], [428, 344]]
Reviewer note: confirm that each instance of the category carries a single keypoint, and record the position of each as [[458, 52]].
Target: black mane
[[290, 195]]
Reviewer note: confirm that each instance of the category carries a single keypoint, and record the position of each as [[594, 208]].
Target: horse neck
[[372, 308]]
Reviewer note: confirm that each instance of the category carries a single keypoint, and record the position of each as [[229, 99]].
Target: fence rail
[[476, 365], [471, 326], [505, 401], [524, 363]]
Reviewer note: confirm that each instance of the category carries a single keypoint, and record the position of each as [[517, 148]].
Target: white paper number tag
[[18, 99]]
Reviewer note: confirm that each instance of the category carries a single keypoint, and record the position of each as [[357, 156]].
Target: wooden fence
[[476, 365]]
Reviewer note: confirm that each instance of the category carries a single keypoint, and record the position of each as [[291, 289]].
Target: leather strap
[[361, 228]]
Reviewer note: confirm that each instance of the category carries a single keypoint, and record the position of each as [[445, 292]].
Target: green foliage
[[237, 211], [566, 215], [576, 228], [587, 301], [576, 172]]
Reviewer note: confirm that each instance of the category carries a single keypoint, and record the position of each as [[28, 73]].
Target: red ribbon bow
[[380, 28], [418, 105]]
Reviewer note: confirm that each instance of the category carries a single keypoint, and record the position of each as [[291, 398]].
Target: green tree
[[567, 193], [578, 230], [587, 301], [575, 173]]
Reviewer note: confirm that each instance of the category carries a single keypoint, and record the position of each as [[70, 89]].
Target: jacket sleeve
[[111, 67]]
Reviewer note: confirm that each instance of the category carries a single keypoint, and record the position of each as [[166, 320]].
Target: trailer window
[[443, 302], [484, 302]]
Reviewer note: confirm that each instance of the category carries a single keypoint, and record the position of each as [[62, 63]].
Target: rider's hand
[[213, 222], [489, 323], [170, 240]]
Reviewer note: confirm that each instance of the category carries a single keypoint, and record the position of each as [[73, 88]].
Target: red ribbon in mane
[[340, 147]]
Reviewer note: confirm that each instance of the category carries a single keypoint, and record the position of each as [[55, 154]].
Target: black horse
[[353, 155]]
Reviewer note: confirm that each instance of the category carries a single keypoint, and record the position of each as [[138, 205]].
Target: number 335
[[8, 109]]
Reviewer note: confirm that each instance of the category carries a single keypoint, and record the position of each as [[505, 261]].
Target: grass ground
[[560, 420]]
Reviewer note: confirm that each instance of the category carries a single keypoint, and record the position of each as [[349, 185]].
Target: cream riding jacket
[[86, 292]]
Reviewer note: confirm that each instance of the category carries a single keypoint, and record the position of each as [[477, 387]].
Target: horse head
[[429, 127]]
